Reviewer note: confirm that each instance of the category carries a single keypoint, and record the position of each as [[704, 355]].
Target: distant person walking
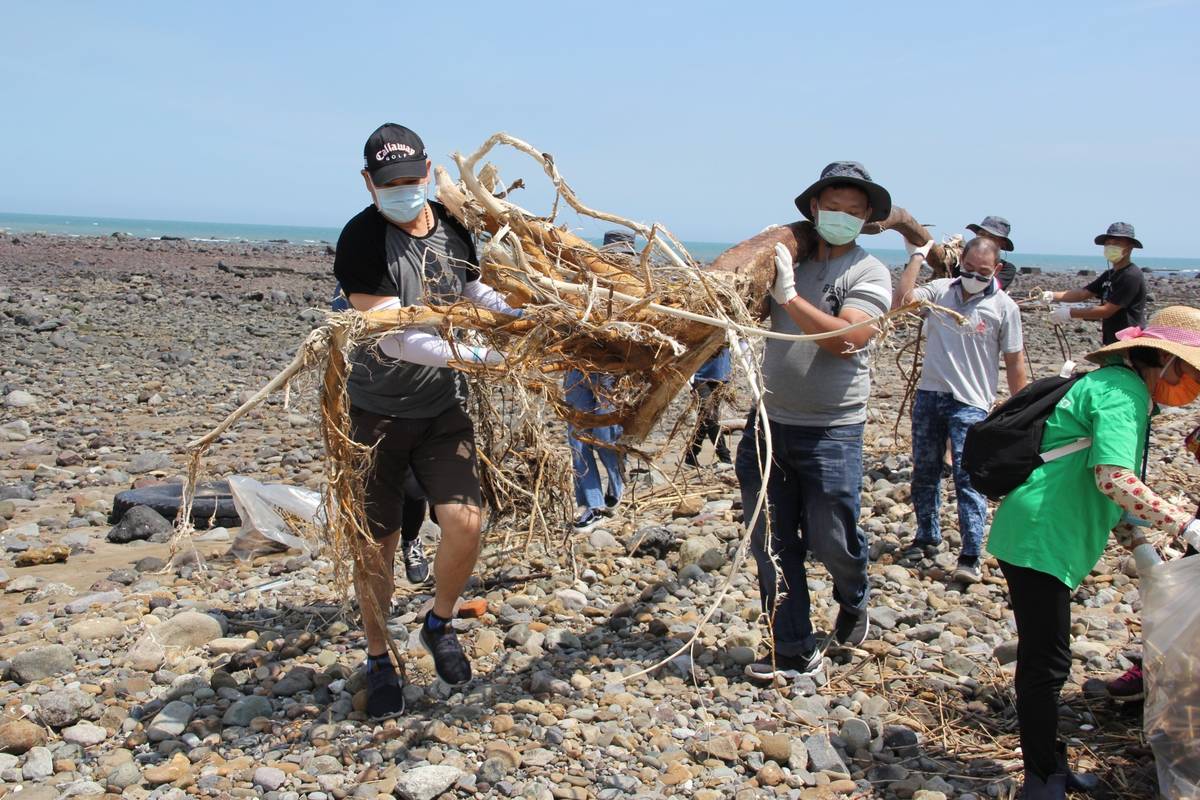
[[708, 382], [590, 393]]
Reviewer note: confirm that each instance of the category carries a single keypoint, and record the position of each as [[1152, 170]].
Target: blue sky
[[709, 117]]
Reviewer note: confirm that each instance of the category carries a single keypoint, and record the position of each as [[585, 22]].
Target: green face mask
[[836, 227], [1113, 254]]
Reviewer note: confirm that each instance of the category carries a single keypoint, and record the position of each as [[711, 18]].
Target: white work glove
[[1047, 297], [480, 355], [784, 288], [1191, 534], [1061, 315], [914, 249], [1145, 556]]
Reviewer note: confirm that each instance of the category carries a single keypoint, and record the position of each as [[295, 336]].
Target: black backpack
[[1002, 450]]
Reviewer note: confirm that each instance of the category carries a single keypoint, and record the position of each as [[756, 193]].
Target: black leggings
[[1041, 604]]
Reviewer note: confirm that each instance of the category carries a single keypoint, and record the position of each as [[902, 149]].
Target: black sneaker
[[919, 550], [785, 668], [385, 694], [851, 628], [449, 660], [611, 501], [587, 520], [416, 565], [724, 457], [690, 460]]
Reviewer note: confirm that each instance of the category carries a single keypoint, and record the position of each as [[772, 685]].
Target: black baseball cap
[[393, 151]]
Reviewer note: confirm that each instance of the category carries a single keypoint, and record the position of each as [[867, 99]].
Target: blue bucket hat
[[996, 226], [1122, 229], [848, 173]]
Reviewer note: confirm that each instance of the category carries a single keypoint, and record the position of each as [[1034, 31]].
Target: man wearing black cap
[[1121, 288], [816, 400], [405, 400], [996, 230]]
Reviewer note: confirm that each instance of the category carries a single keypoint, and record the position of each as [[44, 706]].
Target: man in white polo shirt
[[958, 387]]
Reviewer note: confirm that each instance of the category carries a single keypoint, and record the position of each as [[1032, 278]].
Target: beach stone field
[[135, 666]]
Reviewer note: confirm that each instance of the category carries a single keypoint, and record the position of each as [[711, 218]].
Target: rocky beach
[[132, 666]]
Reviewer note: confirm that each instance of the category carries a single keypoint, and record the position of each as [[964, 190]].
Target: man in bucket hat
[[1121, 288], [996, 230], [816, 402]]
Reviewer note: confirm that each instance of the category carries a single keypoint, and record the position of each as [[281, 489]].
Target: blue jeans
[[935, 416], [585, 392], [813, 499]]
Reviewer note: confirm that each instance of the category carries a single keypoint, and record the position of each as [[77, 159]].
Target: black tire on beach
[[211, 499]]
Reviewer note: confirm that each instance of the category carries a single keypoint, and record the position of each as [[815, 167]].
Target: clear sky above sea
[[707, 116]]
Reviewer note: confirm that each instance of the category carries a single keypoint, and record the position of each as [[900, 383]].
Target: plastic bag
[[263, 529], [1171, 633]]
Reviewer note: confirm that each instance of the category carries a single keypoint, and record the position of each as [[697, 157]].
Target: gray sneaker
[[968, 571]]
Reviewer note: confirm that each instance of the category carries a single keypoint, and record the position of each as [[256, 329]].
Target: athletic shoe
[[385, 695], [611, 502], [851, 628], [786, 668], [968, 570], [724, 457], [1129, 687], [690, 460], [919, 550], [416, 565], [449, 661], [587, 520]]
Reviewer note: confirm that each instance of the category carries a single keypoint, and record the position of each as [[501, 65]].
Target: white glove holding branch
[[914, 249], [1191, 533], [784, 288], [1061, 315], [1047, 297]]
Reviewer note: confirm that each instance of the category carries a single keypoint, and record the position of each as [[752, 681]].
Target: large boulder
[[141, 523], [181, 632], [42, 662], [18, 736]]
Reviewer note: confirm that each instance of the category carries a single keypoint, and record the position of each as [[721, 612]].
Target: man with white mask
[[408, 402], [959, 376]]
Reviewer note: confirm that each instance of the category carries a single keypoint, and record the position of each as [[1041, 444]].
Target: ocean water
[[241, 232]]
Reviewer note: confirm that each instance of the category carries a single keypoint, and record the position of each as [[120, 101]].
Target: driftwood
[[753, 260]]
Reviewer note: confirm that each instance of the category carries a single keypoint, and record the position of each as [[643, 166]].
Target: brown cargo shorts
[[440, 451]]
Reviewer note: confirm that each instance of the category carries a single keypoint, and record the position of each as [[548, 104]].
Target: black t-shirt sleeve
[[1096, 287], [1125, 288], [360, 263]]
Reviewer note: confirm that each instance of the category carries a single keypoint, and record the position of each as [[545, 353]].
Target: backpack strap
[[1066, 449]]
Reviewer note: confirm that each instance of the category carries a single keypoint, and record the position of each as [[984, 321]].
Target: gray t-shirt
[[964, 360], [807, 385], [375, 257]]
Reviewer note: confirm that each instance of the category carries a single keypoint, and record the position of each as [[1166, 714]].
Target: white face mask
[[974, 284]]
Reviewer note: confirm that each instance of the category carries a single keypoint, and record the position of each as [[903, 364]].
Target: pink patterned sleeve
[[1125, 489]]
